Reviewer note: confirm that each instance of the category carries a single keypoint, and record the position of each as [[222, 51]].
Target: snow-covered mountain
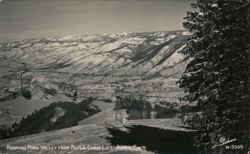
[[103, 66]]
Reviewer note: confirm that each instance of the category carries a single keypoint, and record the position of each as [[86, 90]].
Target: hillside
[[101, 135], [52, 117], [97, 65]]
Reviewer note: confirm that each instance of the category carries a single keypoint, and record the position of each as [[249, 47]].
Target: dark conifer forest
[[217, 76]]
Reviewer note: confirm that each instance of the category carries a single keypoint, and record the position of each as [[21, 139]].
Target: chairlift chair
[[26, 93]]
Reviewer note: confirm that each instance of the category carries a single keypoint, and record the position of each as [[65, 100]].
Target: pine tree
[[217, 76]]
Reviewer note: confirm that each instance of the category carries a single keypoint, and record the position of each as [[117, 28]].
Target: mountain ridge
[[69, 63]]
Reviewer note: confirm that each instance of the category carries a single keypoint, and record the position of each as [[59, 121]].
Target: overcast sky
[[20, 19]]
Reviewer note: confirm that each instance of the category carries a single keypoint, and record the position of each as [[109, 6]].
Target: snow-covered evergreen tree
[[217, 76]]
